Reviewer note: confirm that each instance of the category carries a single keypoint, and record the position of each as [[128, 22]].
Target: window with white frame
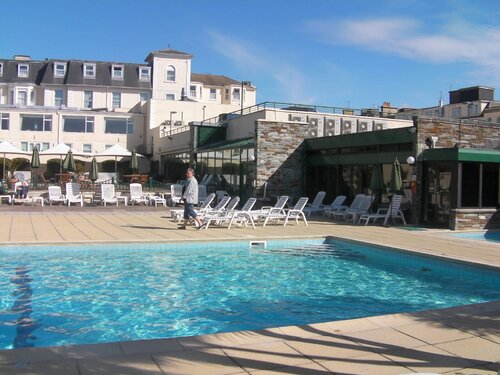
[[37, 123], [144, 96], [4, 121], [59, 69], [119, 125], [236, 94], [87, 148], [89, 70], [192, 91], [117, 72], [227, 94], [88, 99], [58, 97], [170, 75], [23, 70], [213, 94], [170, 97], [22, 97], [117, 99], [29, 146], [1, 69], [78, 124], [144, 73]]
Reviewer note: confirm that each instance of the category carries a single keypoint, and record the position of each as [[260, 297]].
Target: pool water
[[76, 295], [493, 236]]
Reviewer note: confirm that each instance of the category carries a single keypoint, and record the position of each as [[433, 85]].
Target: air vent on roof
[[297, 118], [348, 126], [317, 123], [332, 127], [364, 126], [379, 126]]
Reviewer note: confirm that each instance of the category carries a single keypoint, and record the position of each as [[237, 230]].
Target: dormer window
[[117, 72], [59, 69], [23, 70], [144, 73], [89, 71]]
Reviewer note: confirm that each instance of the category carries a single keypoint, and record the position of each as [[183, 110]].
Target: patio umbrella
[[115, 152], [60, 150], [94, 171], [35, 163], [377, 182], [69, 162], [7, 148], [134, 161], [396, 182]]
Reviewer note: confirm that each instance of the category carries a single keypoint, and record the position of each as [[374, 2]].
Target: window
[[144, 73], [170, 96], [192, 91], [236, 94], [456, 112], [170, 77], [59, 69], [23, 70], [29, 146], [88, 98], [89, 70], [213, 94], [117, 72], [87, 148], [117, 100], [4, 121], [1, 69], [78, 124], [119, 126], [58, 98], [144, 96], [227, 94], [40, 123], [22, 97]]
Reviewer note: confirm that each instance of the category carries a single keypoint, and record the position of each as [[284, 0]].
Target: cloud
[[249, 57], [413, 40]]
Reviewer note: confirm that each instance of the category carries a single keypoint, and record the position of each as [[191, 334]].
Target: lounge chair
[[136, 195], [339, 214], [393, 212], [108, 194], [317, 204], [29, 198], [56, 195], [243, 216], [202, 193], [295, 213], [221, 206], [221, 216], [175, 194], [73, 193], [335, 206], [204, 206], [362, 209], [266, 213]]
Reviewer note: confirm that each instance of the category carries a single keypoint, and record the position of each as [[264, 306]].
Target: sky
[[355, 54]]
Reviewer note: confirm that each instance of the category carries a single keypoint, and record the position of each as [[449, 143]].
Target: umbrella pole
[[3, 176], [60, 165], [116, 167]]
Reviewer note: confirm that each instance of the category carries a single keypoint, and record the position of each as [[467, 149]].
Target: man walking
[[190, 197]]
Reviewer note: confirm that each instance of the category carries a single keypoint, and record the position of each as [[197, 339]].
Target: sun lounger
[[363, 208], [221, 216], [243, 216], [108, 194], [261, 214], [355, 205], [204, 206], [55, 195], [175, 194], [336, 206], [317, 204], [73, 193], [136, 195], [393, 212]]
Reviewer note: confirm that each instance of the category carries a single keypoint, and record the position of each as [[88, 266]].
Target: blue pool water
[[75, 295], [493, 236]]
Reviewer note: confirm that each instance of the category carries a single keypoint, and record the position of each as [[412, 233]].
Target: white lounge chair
[[204, 206], [317, 204], [29, 197], [392, 212], [356, 202], [136, 195], [73, 193], [243, 216], [267, 213], [56, 195], [108, 194], [221, 206], [335, 206], [202, 193], [363, 208], [221, 216], [297, 211], [175, 193]]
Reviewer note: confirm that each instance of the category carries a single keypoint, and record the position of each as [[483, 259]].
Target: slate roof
[[213, 79]]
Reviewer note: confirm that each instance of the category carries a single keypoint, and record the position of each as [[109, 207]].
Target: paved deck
[[464, 340]]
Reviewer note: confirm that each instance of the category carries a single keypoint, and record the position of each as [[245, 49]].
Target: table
[[133, 177], [122, 198]]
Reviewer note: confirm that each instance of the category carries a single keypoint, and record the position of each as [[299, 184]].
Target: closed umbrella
[[377, 182], [134, 161], [69, 162], [35, 163], [396, 182], [94, 171]]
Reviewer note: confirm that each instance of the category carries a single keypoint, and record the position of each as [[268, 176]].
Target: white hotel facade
[[92, 105]]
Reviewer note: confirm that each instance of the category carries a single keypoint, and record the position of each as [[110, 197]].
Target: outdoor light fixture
[[410, 160]]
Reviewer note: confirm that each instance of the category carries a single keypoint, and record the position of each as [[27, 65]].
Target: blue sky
[[323, 52]]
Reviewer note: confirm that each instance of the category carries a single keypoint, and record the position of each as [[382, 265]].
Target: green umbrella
[[94, 171], [134, 161], [35, 158], [377, 182], [396, 181], [69, 163]]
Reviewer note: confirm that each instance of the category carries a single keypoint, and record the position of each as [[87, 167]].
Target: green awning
[[226, 145], [461, 154]]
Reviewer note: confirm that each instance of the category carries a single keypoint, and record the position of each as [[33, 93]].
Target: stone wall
[[281, 157], [470, 218]]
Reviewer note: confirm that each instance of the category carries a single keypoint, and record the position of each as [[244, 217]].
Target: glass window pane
[[74, 124], [116, 126], [32, 123]]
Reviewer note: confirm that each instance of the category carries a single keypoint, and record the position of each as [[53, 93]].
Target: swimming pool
[[76, 294], [493, 236]]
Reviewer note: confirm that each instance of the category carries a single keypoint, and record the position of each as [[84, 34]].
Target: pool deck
[[462, 340]]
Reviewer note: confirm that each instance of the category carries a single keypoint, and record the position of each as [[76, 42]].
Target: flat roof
[[461, 154]]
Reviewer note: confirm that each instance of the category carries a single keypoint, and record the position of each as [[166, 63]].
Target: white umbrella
[[61, 150], [8, 148], [115, 151]]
